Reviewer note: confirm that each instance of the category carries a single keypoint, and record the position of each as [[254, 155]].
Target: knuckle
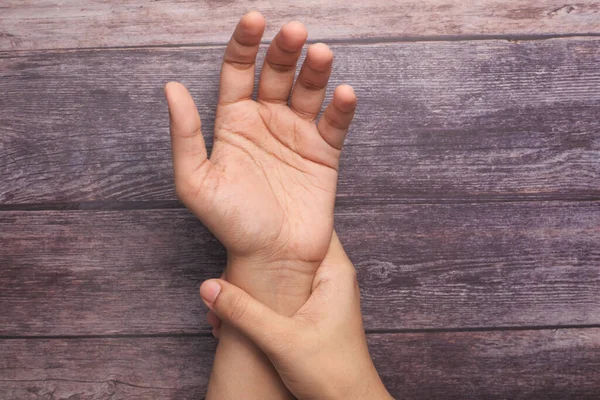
[[240, 56], [241, 43], [281, 67], [240, 65], [312, 85], [237, 307], [308, 115], [190, 132], [334, 121]]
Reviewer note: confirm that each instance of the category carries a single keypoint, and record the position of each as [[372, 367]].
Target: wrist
[[284, 285], [375, 389], [364, 387]]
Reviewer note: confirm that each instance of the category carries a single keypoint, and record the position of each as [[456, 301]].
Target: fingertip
[[344, 98], [209, 291], [171, 87], [177, 92], [319, 56], [253, 23], [254, 15], [293, 35], [321, 47], [338, 115], [183, 113], [250, 29], [345, 92], [294, 28]]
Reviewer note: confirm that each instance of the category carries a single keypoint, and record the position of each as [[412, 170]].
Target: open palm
[[268, 190]]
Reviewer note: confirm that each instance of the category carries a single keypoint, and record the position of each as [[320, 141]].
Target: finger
[[309, 91], [212, 319], [232, 305], [187, 143], [336, 119], [277, 75], [239, 61]]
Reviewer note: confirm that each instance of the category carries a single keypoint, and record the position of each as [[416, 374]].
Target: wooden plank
[[105, 272], [95, 23], [106, 368], [419, 266], [475, 265], [545, 364], [437, 120]]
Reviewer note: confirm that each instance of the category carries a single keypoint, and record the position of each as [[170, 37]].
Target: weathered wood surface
[[543, 364], [420, 267], [106, 368], [439, 120], [70, 24], [444, 130], [561, 364]]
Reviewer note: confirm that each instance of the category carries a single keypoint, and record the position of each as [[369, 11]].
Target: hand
[[268, 190], [321, 351]]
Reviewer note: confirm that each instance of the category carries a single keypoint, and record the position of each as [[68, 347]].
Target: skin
[[267, 192], [321, 351]]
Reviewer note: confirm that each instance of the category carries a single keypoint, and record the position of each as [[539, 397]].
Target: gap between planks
[[108, 205], [350, 41], [367, 331]]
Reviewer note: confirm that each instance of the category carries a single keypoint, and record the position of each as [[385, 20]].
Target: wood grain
[[475, 265], [544, 364], [449, 137], [117, 368], [419, 266], [559, 364], [95, 23], [458, 121]]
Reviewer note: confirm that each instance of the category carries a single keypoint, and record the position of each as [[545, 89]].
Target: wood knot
[[566, 9]]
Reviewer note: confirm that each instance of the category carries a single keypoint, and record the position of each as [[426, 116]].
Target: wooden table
[[469, 196]]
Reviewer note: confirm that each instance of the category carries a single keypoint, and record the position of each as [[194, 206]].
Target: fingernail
[[209, 291]]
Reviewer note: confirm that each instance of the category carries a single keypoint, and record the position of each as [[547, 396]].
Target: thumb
[[187, 142], [255, 320]]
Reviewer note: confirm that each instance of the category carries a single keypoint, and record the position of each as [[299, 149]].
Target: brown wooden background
[[469, 196]]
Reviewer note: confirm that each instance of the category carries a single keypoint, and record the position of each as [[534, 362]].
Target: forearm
[[240, 369]]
